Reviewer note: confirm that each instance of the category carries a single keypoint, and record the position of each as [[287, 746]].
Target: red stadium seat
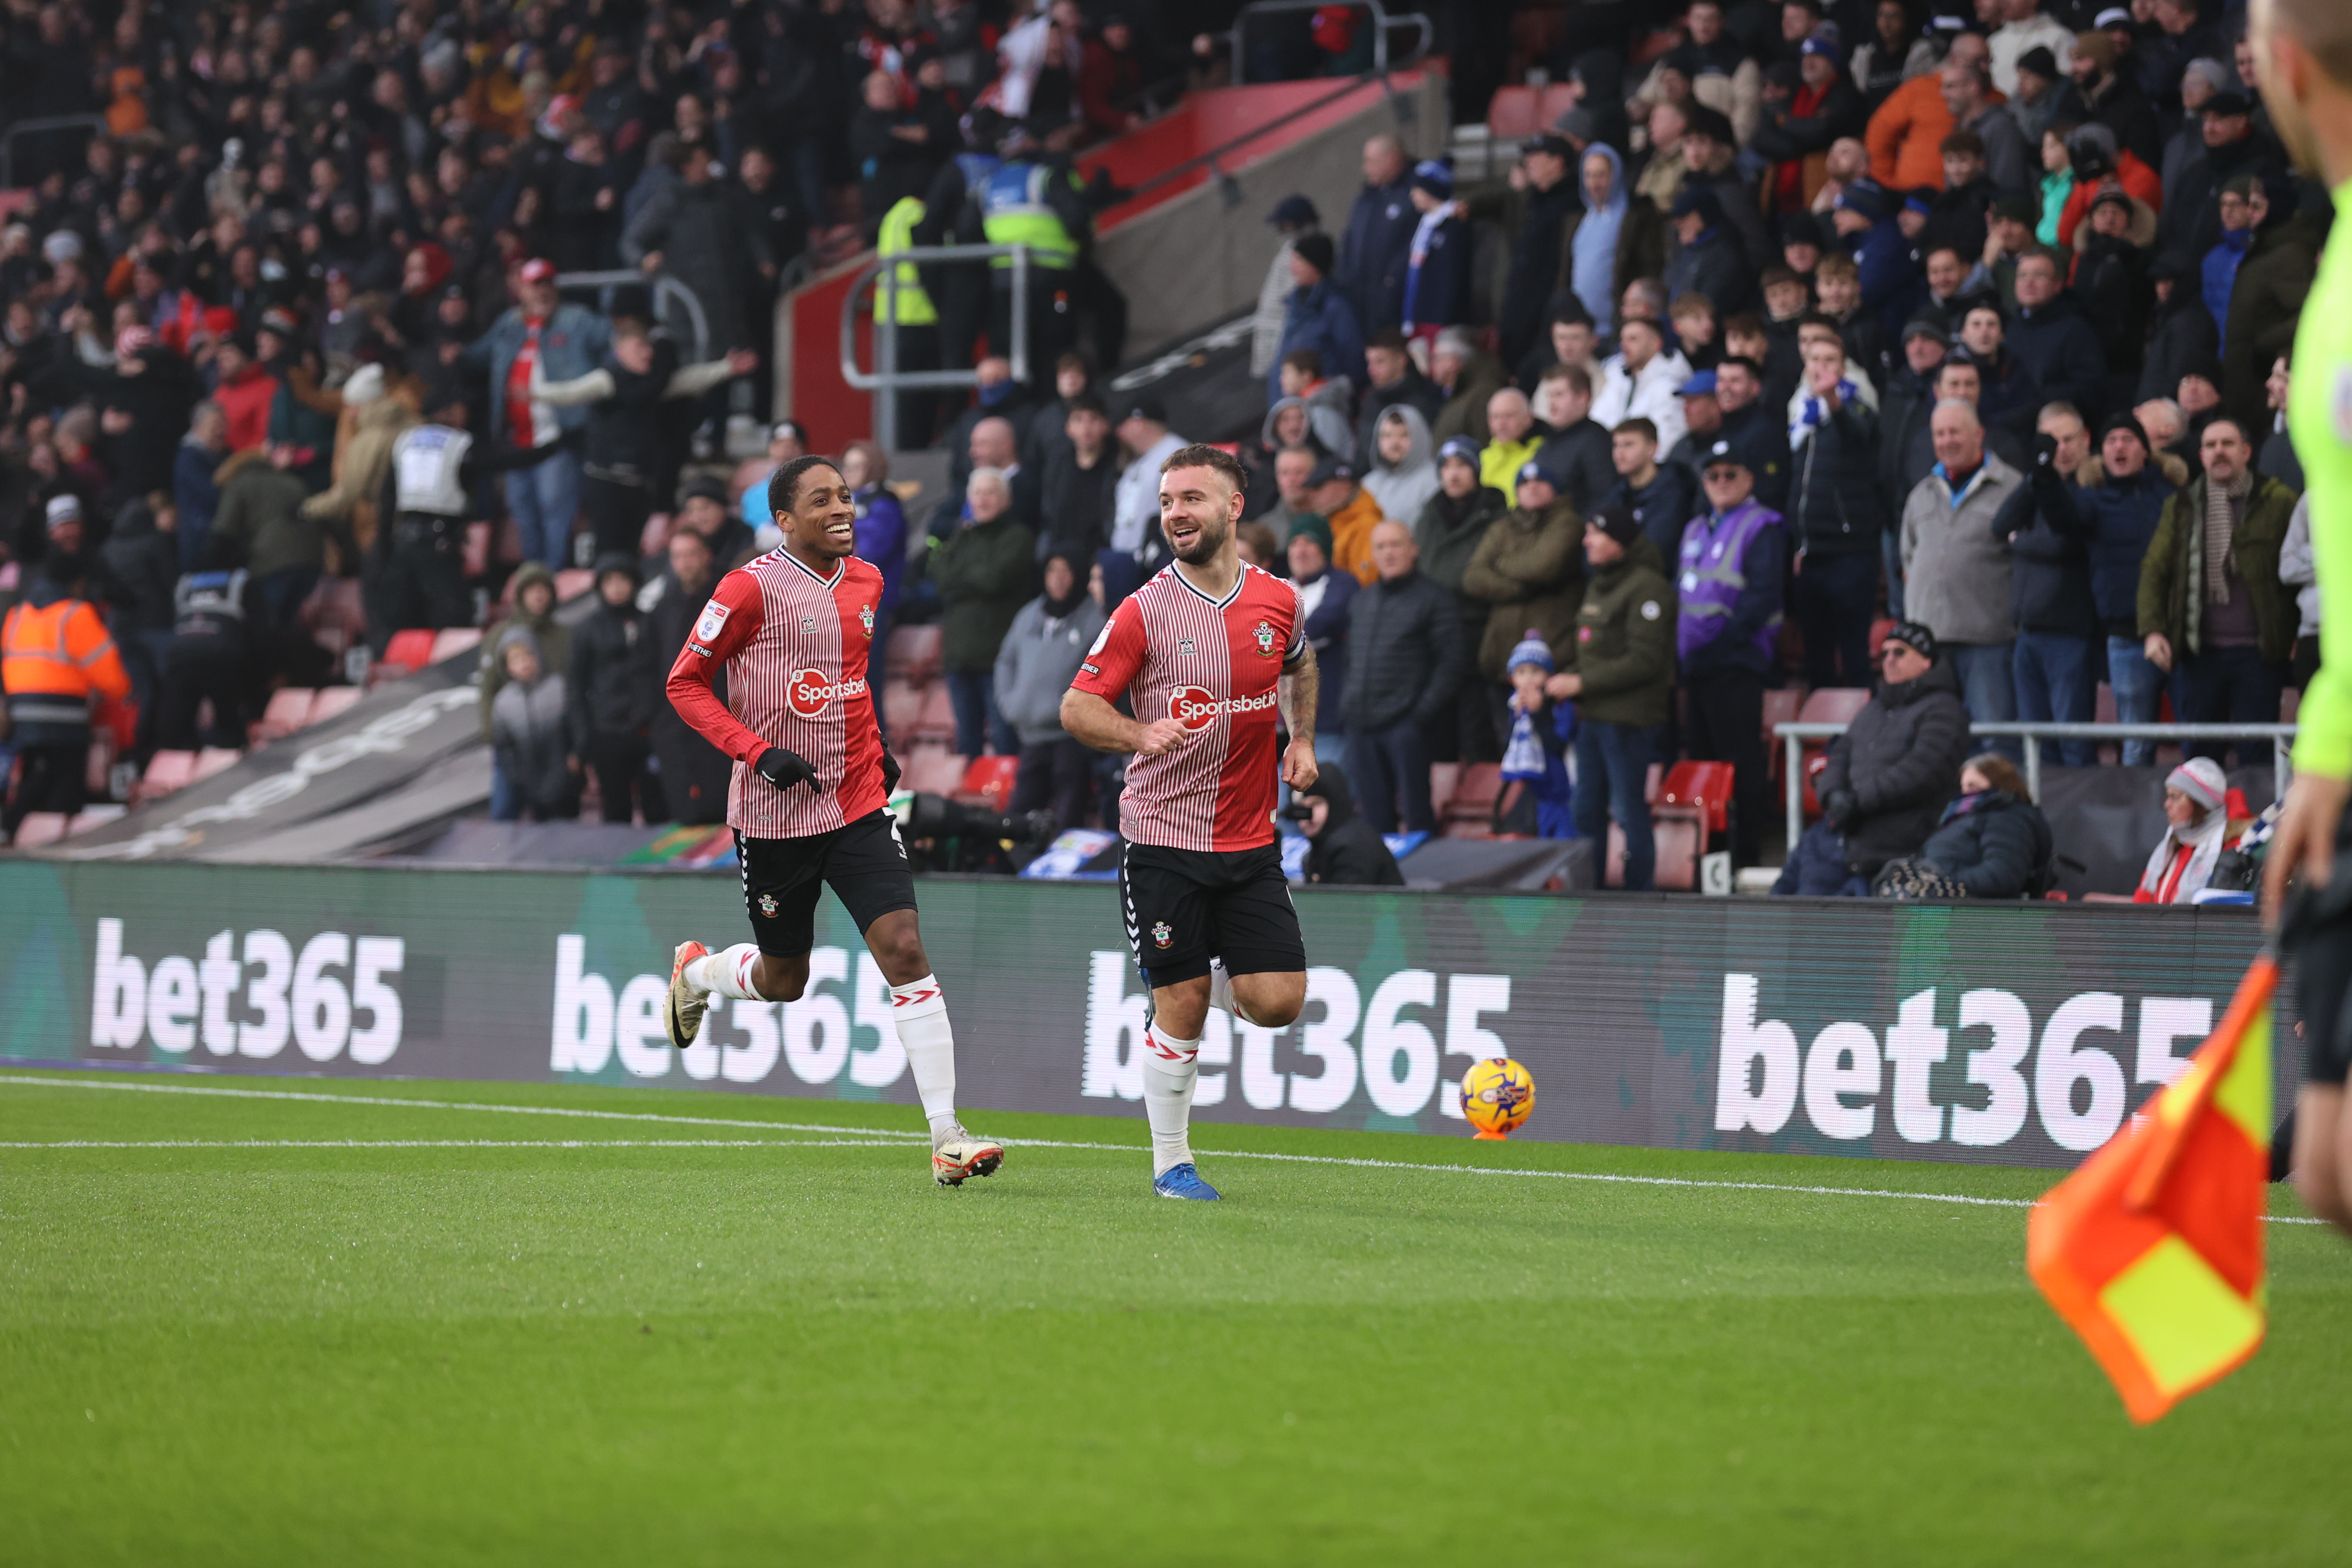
[[289, 710], [902, 710], [331, 700], [933, 769], [1558, 99], [41, 827], [1878, 630], [1443, 778], [1779, 708], [1515, 113], [1472, 801], [937, 720], [1680, 844], [454, 641], [1700, 792], [573, 581], [166, 771], [913, 654], [213, 760], [1833, 705], [407, 652], [989, 781]]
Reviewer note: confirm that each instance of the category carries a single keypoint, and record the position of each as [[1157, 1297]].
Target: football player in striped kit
[[810, 799], [1209, 649]]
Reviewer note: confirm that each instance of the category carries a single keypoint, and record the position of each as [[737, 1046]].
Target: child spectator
[[1541, 733]]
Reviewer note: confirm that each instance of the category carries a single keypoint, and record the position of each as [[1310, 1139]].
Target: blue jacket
[[1327, 629], [882, 540], [196, 496], [2114, 520], [1437, 293], [2220, 274], [573, 343], [1320, 319], [1890, 284], [1373, 251]]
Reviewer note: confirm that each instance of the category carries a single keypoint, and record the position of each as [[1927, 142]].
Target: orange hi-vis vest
[[53, 658]]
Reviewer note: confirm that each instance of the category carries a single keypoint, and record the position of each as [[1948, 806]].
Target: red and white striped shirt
[[795, 647], [1215, 667]]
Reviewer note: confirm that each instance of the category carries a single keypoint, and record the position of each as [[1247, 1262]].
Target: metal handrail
[[662, 287], [34, 128], [1212, 160], [885, 377], [1794, 733]]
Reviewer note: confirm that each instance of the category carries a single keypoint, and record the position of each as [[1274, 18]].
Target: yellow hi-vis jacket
[[913, 307]]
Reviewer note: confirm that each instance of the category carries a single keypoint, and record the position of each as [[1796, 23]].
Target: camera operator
[[1343, 849]]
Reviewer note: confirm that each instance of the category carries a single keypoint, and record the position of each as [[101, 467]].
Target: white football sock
[[728, 973], [1221, 993], [919, 1013], [1170, 1070]]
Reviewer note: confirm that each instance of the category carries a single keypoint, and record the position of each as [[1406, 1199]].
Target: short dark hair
[[1967, 142], [1579, 379], [784, 488], [1088, 403], [1228, 467], [1743, 362], [1747, 323], [1387, 338], [1306, 360], [1646, 429]]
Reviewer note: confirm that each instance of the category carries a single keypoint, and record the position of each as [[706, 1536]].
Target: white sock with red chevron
[[727, 973], [1170, 1070], [919, 1013]]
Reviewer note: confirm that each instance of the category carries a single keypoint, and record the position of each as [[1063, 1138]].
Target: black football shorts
[[1184, 907], [863, 863], [2323, 976]]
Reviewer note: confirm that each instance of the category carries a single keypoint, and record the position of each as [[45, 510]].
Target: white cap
[[64, 509], [63, 245], [2112, 17], [365, 386]]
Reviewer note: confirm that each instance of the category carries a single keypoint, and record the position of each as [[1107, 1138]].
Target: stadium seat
[[1443, 778], [1679, 843], [93, 816], [1515, 113], [912, 654], [1473, 796], [406, 653], [989, 781], [41, 827], [1558, 99], [1779, 708], [654, 540], [331, 700], [573, 582], [1700, 792], [936, 722], [933, 769], [213, 760], [475, 561], [1878, 630], [166, 771], [1833, 705], [289, 710], [454, 640], [902, 710]]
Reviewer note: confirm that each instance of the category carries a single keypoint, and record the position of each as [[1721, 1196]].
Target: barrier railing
[[885, 377], [663, 288], [1381, 22], [1795, 733]]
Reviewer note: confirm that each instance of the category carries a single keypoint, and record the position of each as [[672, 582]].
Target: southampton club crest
[[1161, 934], [1262, 635], [865, 619], [768, 905]]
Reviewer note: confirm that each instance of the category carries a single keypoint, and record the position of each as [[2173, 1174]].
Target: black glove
[[1839, 806], [784, 769], [2045, 450], [889, 773]]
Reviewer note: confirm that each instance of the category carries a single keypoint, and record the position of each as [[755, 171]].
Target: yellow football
[[1499, 1095]]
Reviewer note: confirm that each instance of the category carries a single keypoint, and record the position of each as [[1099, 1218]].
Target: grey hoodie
[[1402, 489], [1327, 423], [1037, 662]]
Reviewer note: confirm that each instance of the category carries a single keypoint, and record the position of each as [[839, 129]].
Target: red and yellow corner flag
[[2152, 1250]]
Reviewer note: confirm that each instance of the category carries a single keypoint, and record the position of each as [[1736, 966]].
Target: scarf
[[1593, 261], [2203, 842], [1422, 234], [2222, 503]]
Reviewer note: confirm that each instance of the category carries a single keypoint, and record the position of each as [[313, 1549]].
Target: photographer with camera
[[1343, 848]]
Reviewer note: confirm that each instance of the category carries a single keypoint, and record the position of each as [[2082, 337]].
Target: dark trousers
[[418, 579], [2230, 686], [1049, 319], [198, 667], [1725, 723], [918, 412], [1832, 601], [1613, 777], [1056, 773], [50, 778], [1384, 765], [972, 694], [1464, 731], [619, 762], [616, 514]]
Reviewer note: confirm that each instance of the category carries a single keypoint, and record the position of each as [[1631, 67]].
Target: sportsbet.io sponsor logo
[[1397, 1045], [251, 995], [1965, 1070], [811, 692], [840, 1028], [1196, 708]]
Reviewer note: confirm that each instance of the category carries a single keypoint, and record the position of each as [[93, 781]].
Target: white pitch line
[[462, 1143], [872, 1140]]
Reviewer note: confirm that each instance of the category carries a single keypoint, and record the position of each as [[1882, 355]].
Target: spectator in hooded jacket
[[1449, 531], [1622, 681], [2055, 668], [1886, 780], [1707, 256], [1343, 849], [2113, 507], [1324, 596], [1528, 569], [1039, 658], [1864, 220], [1407, 665], [611, 689], [1402, 475], [1437, 258], [531, 737], [1992, 842], [1616, 239], [2211, 606]]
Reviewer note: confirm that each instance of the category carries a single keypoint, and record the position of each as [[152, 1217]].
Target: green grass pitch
[[413, 1334]]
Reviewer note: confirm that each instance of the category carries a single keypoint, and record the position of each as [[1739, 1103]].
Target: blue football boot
[[1183, 1182]]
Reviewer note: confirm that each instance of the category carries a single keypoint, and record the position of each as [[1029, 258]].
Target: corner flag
[[2152, 1250]]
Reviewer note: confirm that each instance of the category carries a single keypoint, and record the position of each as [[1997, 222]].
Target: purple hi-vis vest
[[1708, 578]]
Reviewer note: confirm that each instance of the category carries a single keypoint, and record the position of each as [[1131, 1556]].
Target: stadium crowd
[[1939, 353]]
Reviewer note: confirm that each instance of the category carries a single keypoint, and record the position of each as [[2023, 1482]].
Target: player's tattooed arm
[[1092, 720], [1301, 685]]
